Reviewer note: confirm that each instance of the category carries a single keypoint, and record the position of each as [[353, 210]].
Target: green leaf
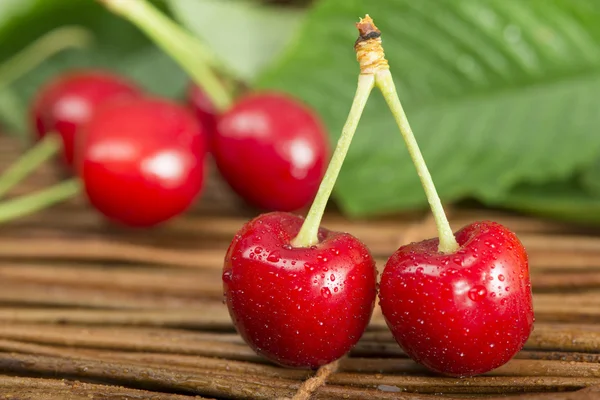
[[559, 200], [246, 36], [498, 92]]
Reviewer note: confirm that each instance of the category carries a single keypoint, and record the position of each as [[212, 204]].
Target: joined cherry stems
[[374, 70]]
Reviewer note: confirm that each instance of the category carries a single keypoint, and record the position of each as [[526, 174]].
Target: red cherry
[[462, 313], [142, 160], [299, 307], [67, 102], [272, 151], [203, 108]]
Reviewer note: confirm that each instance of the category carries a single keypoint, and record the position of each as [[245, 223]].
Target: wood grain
[[93, 310]]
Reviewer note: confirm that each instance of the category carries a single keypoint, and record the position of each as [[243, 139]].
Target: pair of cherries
[[461, 314], [142, 158], [459, 304]]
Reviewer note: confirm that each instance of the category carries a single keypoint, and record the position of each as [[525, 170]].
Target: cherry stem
[[191, 54], [43, 47], [24, 205], [385, 83], [308, 235], [27, 163]]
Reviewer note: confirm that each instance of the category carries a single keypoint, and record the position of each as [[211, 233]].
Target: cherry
[[461, 304], [141, 160], [272, 151], [68, 101], [462, 313], [298, 306], [299, 294]]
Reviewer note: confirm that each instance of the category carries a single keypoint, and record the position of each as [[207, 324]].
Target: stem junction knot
[[369, 51]]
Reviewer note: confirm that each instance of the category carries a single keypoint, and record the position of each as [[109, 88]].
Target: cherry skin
[[272, 151], [142, 161], [298, 307], [203, 108], [460, 314], [67, 102]]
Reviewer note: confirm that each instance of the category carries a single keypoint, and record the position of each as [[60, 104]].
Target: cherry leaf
[[498, 92]]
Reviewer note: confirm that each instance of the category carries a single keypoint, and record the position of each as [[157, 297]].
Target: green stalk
[[51, 43], [189, 52], [308, 235], [385, 83], [27, 163], [25, 205]]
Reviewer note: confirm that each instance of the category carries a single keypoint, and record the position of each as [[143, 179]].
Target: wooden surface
[[90, 310]]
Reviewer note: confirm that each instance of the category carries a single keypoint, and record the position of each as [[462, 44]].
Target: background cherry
[[269, 147], [298, 306], [67, 102], [142, 160], [459, 305], [272, 151]]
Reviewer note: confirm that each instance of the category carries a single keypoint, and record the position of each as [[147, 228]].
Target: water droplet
[[419, 270], [321, 258], [325, 292], [335, 289], [308, 267], [332, 278], [477, 293], [335, 251], [274, 256], [501, 278], [287, 246], [228, 275], [506, 289], [258, 249]]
